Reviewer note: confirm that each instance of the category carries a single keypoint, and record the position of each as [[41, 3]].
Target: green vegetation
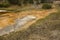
[[47, 6], [23, 2], [13, 1], [22, 5], [4, 5]]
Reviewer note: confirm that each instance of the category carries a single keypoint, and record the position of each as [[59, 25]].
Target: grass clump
[[4, 5], [47, 6]]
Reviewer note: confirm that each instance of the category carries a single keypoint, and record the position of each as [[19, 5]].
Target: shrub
[[47, 6], [4, 5]]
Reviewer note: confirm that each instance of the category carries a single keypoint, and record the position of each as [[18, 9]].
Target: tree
[[22, 2], [42, 1], [13, 1]]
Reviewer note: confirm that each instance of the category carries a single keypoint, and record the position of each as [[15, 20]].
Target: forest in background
[[7, 3]]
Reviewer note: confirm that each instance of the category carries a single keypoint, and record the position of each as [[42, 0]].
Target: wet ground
[[20, 21]]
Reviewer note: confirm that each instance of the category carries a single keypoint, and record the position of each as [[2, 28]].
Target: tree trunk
[[22, 4], [34, 2], [39, 1]]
